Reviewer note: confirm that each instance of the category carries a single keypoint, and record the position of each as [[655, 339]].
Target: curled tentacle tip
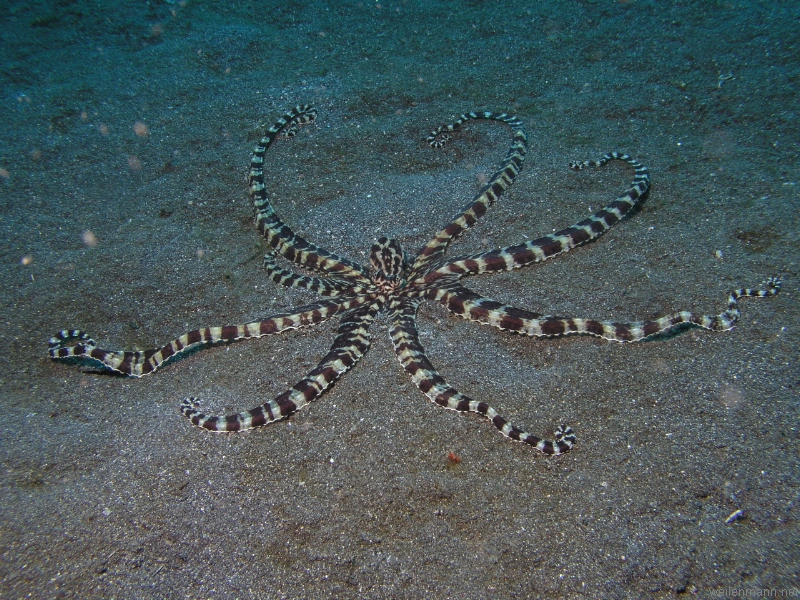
[[565, 434]]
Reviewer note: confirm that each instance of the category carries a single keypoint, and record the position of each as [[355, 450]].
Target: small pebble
[[735, 516]]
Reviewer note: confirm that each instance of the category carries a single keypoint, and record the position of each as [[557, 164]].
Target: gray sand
[[108, 492]]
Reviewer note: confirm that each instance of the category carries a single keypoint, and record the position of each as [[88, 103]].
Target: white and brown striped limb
[[486, 196], [277, 233], [324, 287], [411, 354], [73, 343], [465, 303]]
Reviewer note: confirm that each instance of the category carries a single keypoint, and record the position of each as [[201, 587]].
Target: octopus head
[[387, 260]]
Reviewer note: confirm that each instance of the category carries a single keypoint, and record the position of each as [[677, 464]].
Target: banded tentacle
[[411, 354], [488, 195], [538, 250], [351, 343], [470, 305], [466, 303], [74, 343], [277, 233], [324, 287]]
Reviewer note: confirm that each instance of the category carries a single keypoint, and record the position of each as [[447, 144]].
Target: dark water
[[127, 130]]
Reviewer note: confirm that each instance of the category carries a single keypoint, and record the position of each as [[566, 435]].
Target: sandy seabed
[[126, 131]]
